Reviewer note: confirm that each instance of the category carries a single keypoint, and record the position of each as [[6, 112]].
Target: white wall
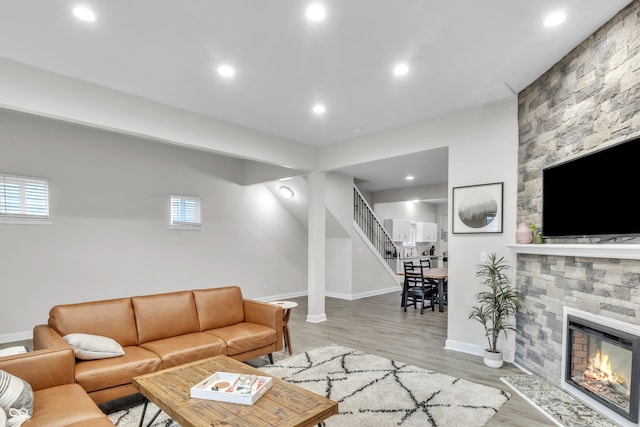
[[339, 196], [483, 144], [339, 265], [486, 152], [369, 275], [110, 237], [421, 211]]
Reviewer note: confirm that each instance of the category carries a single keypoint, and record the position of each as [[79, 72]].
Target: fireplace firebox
[[604, 364]]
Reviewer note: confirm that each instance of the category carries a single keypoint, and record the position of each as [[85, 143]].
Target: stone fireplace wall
[[589, 99]]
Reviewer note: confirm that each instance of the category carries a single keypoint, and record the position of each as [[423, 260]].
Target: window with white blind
[[185, 212], [24, 200]]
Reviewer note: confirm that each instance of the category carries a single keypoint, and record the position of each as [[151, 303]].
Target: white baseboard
[[281, 297], [350, 297], [16, 336], [464, 347], [474, 349], [317, 318], [373, 293]]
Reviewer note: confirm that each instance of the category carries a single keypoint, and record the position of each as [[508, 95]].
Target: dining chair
[[406, 264], [417, 288], [426, 263]]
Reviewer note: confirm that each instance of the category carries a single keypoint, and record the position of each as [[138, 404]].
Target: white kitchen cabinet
[[400, 230], [426, 232]]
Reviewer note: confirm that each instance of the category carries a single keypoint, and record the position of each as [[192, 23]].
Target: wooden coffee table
[[283, 405]]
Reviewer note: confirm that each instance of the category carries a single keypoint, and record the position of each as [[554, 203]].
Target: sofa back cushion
[[165, 315], [110, 318], [219, 307]]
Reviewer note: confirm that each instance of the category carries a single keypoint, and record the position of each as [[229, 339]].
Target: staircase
[[373, 230]]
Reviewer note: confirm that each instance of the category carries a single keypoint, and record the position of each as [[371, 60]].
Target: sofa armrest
[[42, 368], [265, 314], [45, 337]]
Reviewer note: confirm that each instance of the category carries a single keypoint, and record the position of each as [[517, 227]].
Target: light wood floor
[[378, 325]]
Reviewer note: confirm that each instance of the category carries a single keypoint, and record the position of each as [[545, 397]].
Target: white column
[[316, 230]]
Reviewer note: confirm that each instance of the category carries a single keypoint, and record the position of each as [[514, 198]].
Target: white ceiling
[[427, 167], [461, 53]]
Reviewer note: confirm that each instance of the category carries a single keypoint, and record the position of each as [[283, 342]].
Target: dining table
[[440, 275]]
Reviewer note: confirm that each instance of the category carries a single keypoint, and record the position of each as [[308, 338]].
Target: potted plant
[[537, 233], [495, 305]]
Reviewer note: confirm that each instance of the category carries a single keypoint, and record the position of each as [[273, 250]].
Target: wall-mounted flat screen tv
[[593, 195]]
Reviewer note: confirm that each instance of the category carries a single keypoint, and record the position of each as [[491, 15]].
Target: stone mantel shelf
[[621, 251]]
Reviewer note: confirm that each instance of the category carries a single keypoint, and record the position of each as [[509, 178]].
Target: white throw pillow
[[3, 418], [90, 347], [17, 417], [15, 394]]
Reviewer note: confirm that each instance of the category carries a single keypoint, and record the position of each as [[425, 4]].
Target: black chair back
[[425, 263], [413, 274]]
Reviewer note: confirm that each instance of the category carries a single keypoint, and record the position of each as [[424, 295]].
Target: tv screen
[[593, 195]]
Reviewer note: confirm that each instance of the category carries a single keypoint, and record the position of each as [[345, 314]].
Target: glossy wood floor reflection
[[378, 325]]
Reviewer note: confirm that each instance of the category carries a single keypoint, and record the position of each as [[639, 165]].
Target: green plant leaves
[[498, 303]]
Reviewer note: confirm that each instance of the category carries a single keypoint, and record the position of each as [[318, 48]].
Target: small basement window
[[185, 212], [24, 200]]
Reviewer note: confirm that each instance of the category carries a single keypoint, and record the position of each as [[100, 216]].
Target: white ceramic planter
[[493, 360]]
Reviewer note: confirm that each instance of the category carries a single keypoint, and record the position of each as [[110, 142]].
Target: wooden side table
[[286, 307]]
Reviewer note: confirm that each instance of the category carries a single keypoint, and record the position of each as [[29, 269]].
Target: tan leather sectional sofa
[[162, 330], [57, 400]]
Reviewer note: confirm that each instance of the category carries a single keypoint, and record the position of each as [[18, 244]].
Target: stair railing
[[366, 219]]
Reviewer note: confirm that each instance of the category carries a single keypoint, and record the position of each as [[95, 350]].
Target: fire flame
[[602, 362], [600, 368]]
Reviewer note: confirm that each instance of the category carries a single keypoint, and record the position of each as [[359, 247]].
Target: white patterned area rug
[[131, 417], [371, 391], [374, 391]]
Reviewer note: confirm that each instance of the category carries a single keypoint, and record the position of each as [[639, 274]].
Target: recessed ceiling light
[[401, 69], [319, 109], [226, 71], [286, 192], [357, 129], [554, 19], [316, 12], [84, 14], [416, 201], [409, 177]]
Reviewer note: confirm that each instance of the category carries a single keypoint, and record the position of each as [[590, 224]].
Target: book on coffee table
[[232, 387]]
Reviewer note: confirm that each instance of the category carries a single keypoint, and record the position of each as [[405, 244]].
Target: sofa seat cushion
[[99, 374], [186, 348], [64, 405], [245, 336], [102, 421]]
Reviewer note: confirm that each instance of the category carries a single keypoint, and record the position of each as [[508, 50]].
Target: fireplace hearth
[[602, 363]]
